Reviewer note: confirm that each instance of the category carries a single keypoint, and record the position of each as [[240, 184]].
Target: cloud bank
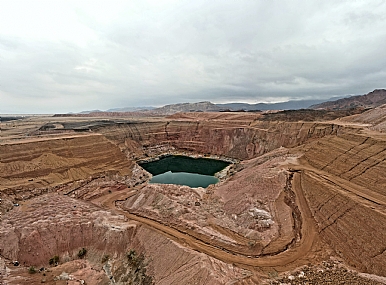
[[78, 55]]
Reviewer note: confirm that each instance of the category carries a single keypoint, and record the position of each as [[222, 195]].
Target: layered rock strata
[[344, 184], [270, 213], [53, 224], [31, 167]]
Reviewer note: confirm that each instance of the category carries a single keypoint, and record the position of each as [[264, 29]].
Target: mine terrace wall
[[38, 164], [356, 158], [226, 138], [30, 166], [348, 206], [63, 225], [356, 232]]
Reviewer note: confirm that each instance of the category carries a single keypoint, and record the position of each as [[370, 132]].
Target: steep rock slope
[[358, 159], [246, 214], [344, 184], [241, 140], [340, 175], [66, 225], [37, 164], [352, 228]]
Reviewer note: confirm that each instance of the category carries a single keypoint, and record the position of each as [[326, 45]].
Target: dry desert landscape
[[303, 202]]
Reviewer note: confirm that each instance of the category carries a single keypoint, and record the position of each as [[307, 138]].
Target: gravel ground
[[329, 272]]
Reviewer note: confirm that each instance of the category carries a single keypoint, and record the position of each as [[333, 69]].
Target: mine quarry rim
[[286, 259], [40, 139], [192, 170], [187, 162], [193, 180], [191, 155]]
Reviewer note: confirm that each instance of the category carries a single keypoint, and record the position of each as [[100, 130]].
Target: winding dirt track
[[300, 253], [308, 246], [288, 259]]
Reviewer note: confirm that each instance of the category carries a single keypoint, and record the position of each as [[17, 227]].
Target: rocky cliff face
[[352, 228], [375, 118], [358, 159], [231, 139]]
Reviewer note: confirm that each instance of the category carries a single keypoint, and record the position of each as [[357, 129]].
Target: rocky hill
[[376, 118], [289, 105], [370, 100], [204, 106]]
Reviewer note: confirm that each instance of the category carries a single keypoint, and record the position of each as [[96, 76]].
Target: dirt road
[[283, 261]]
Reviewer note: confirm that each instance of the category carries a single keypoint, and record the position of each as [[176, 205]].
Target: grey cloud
[[161, 53]]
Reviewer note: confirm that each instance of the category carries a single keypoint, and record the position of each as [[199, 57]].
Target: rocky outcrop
[[374, 118], [247, 213], [271, 212], [173, 264]]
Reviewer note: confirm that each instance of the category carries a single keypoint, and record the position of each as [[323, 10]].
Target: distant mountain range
[[289, 105], [371, 100], [125, 109], [130, 109], [207, 106]]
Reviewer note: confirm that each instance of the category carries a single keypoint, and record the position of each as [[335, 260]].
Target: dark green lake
[[183, 170]]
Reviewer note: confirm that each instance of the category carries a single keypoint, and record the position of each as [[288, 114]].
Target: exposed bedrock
[[44, 163], [357, 158], [39, 164], [53, 224], [241, 140], [173, 264], [355, 231], [345, 189], [28, 167], [248, 214], [251, 213]]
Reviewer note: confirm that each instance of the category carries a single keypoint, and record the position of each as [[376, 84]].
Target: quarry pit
[[300, 198]]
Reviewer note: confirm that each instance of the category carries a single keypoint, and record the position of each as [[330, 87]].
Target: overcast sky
[[69, 56]]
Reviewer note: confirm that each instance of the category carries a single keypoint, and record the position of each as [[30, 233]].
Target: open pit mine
[[302, 201]]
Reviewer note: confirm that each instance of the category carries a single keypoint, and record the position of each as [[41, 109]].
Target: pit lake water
[[184, 170]]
